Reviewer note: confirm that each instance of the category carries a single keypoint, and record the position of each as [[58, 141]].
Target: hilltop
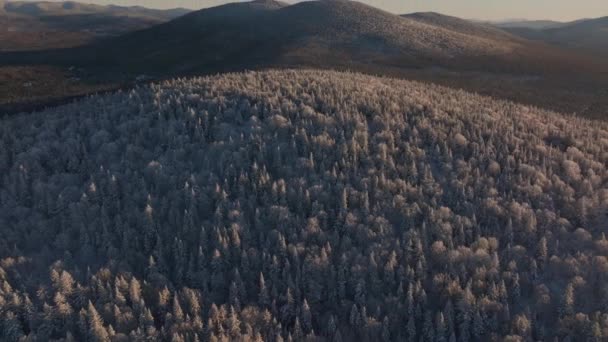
[[302, 205]]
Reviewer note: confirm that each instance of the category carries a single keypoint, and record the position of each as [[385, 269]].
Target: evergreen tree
[[96, 330]]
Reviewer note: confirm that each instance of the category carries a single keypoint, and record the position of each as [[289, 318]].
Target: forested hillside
[[302, 205]]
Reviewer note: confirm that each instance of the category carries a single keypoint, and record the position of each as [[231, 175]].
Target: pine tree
[[234, 296], [465, 312], [360, 292], [233, 324], [298, 334], [178, 313], [306, 317], [97, 332], [567, 304], [542, 251], [386, 333], [428, 329], [331, 326], [440, 328], [596, 332], [355, 318], [411, 328], [263, 298], [288, 310], [516, 289], [478, 325]]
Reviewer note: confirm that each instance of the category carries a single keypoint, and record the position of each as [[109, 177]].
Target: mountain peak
[[271, 30]]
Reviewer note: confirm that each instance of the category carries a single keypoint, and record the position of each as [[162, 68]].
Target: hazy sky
[[472, 9]]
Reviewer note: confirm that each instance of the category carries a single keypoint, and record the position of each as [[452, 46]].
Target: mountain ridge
[[322, 26], [588, 35], [38, 8], [461, 25]]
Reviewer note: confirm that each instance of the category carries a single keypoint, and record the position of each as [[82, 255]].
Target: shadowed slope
[[267, 32]]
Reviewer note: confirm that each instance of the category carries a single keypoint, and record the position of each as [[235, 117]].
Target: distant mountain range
[[586, 35], [47, 8], [523, 23], [27, 25]]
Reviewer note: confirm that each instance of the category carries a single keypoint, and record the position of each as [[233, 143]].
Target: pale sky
[[561, 10]]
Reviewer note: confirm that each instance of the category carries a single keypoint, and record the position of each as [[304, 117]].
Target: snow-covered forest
[[302, 206]]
